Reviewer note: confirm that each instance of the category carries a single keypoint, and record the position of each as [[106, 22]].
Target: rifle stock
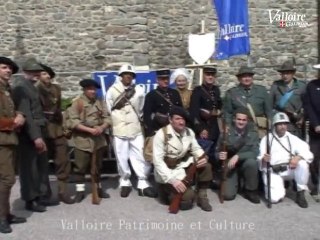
[[224, 167], [175, 203], [94, 179], [268, 167]]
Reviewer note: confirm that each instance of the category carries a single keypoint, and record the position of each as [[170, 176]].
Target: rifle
[[6, 124], [175, 203], [94, 179], [224, 165], [268, 168]]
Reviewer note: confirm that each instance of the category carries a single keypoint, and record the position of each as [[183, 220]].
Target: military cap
[[49, 70], [245, 70], [163, 73], [176, 110], [32, 65], [88, 83], [287, 66], [9, 62], [210, 69]]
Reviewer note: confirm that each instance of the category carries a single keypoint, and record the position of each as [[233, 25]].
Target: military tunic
[[50, 96], [154, 102], [33, 172], [246, 146], [93, 113], [293, 106]]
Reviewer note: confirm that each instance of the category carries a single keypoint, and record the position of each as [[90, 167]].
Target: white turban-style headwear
[[180, 71]]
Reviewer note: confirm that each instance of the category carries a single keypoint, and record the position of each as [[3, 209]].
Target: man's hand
[[266, 158], [294, 162], [18, 121], [317, 129], [179, 186], [233, 161], [223, 156], [100, 130], [96, 131], [201, 162], [40, 145]]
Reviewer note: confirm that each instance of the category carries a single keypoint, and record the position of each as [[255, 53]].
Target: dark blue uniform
[[155, 102]]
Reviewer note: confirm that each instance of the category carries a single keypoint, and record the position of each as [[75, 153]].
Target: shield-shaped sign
[[201, 47]]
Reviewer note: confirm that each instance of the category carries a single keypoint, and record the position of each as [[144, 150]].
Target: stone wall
[[77, 37]]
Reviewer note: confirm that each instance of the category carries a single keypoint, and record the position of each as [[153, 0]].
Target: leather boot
[[301, 200], [203, 201], [62, 195], [102, 193], [4, 211], [252, 196], [5, 226], [80, 195]]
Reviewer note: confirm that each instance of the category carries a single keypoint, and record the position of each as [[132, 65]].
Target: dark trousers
[[315, 149]]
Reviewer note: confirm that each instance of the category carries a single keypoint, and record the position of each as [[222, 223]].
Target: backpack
[[148, 145]]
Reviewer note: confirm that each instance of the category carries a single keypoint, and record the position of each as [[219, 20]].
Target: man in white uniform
[[125, 102], [289, 158]]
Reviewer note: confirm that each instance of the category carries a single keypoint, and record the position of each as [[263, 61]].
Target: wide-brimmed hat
[[245, 70], [9, 62], [287, 66], [32, 65], [49, 70], [88, 83]]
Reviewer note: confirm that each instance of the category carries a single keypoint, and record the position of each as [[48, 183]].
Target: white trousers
[[277, 190], [131, 148]]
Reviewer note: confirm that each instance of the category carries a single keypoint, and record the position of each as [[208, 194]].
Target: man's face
[[209, 78], [33, 75], [5, 72], [181, 82], [163, 82], [126, 78], [246, 79], [287, 76], [90, 92], [45, 77], [178, 123], [281, 128], [240, 121]]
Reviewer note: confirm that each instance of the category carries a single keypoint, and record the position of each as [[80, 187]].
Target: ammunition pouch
[[54, 117], [161, 119], [208, 114], [278, 168], [6, 124], [173, 162]]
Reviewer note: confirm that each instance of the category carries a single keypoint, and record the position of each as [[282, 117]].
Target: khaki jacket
[[125, 121], [94, 113], [7, 110], [177, 147]]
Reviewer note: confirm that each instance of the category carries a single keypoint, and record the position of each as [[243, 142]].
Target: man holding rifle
[[289, 159], [175, 151], [241, 152]]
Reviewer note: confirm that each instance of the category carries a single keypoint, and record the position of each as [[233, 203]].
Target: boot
[[80, 195], [186, 205], [62, 195], [12, 219], [203, 201], [5, 226], [103, 194], [301, 200], [252, 196]]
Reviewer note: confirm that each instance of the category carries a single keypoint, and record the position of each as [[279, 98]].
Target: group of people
[[184, 135]]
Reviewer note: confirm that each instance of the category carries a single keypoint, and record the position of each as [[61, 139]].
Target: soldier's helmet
[[127, 68], [280, 117]]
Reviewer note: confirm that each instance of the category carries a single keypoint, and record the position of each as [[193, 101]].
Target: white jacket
[[277, 152], [177, 147], [125, 122]]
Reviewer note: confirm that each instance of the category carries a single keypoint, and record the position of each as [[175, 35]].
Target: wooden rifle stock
[[175, 203], [94, 179], [268, 167], [224, 165]]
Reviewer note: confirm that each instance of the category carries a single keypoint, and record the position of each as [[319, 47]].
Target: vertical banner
[[233, 38]]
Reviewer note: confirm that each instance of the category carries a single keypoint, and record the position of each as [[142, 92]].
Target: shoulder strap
[[166, 139], [208, 94], [161, 95]]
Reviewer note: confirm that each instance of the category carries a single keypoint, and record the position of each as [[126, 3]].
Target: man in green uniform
[[287, 94], [33, 160], [10, 121], [248, 95], [88, 119], [50, 96], [242, 148]]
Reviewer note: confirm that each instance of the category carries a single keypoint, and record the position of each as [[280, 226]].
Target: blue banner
[[233, 21], [147, 79]]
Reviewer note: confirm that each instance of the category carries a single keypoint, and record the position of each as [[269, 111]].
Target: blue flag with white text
[[233, 38]]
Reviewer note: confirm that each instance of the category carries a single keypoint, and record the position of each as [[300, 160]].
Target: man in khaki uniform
[[10, 120], [50, 96], [88, 119], [125, 103], [175, 149]]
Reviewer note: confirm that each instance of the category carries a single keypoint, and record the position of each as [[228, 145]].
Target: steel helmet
[[127, 68], [280, 117]]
